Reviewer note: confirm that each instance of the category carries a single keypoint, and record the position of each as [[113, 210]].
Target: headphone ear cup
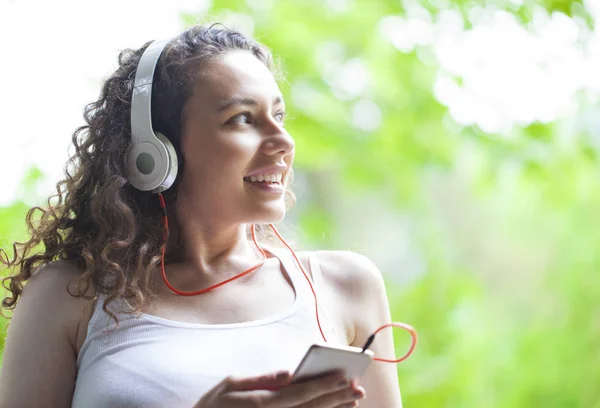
[[152, 165]]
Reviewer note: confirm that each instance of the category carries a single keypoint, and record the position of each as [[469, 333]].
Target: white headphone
[[151, 159]]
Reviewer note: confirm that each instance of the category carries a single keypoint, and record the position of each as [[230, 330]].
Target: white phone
[[321, 360]]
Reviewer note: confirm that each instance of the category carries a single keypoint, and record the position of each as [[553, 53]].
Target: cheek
[[219, 156], [238, 145]]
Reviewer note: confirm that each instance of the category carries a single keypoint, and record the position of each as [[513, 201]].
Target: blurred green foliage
[[506, 227]]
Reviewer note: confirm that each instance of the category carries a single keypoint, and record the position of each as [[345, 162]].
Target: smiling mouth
[[271, 184], [265, 179]]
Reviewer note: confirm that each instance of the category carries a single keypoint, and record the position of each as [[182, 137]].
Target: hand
[[274, 391]]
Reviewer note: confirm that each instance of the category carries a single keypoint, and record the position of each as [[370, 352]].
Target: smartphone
[[321, 360]]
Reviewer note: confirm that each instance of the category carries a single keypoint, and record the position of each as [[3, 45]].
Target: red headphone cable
[[404, 326]]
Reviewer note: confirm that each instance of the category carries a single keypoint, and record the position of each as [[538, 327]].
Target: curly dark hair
[[112, 231]]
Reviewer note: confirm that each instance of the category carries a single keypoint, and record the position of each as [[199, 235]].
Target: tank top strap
[[319, 285], [100, 320], [303, 289]]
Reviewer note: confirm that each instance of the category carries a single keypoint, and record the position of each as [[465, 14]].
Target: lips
[[272, 188], [273, 169]]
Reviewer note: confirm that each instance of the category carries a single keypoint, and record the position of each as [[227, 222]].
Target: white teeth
[[273, 178]]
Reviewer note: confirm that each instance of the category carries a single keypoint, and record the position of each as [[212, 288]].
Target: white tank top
[[154, 362]]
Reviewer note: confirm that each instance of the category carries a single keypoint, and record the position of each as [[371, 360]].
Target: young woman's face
[[232, 138]]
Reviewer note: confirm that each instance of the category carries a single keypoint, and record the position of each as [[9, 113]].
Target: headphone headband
[[141, 112], [151, 160]]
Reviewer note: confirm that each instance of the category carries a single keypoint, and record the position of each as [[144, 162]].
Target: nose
[[278, 141]]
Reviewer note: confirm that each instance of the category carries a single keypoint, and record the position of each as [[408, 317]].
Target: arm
[[361, 288], [39, 355]]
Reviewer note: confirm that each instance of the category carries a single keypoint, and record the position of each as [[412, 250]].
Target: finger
[[213, 393], [355, 387], [348, 405], [347, 397], [298, 394], [262, 382]]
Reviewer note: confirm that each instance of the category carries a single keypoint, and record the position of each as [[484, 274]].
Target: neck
[[207, 249]]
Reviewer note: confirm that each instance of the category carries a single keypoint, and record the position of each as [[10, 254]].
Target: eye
[[280, 116], [244, 117]]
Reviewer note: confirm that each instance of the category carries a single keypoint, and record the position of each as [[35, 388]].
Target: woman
[[102, 321]]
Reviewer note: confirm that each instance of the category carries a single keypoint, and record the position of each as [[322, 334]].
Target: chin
[[269, 216]]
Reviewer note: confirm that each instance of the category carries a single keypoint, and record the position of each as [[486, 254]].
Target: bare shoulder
[[51, 288], [353, 274], [39, 361], [51, 276], [353, 289], [357, 287], [56, 282]]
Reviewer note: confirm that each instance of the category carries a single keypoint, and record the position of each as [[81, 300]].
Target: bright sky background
[[56, 53]]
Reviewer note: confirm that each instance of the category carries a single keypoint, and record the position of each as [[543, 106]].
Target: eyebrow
[[237, 101]]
